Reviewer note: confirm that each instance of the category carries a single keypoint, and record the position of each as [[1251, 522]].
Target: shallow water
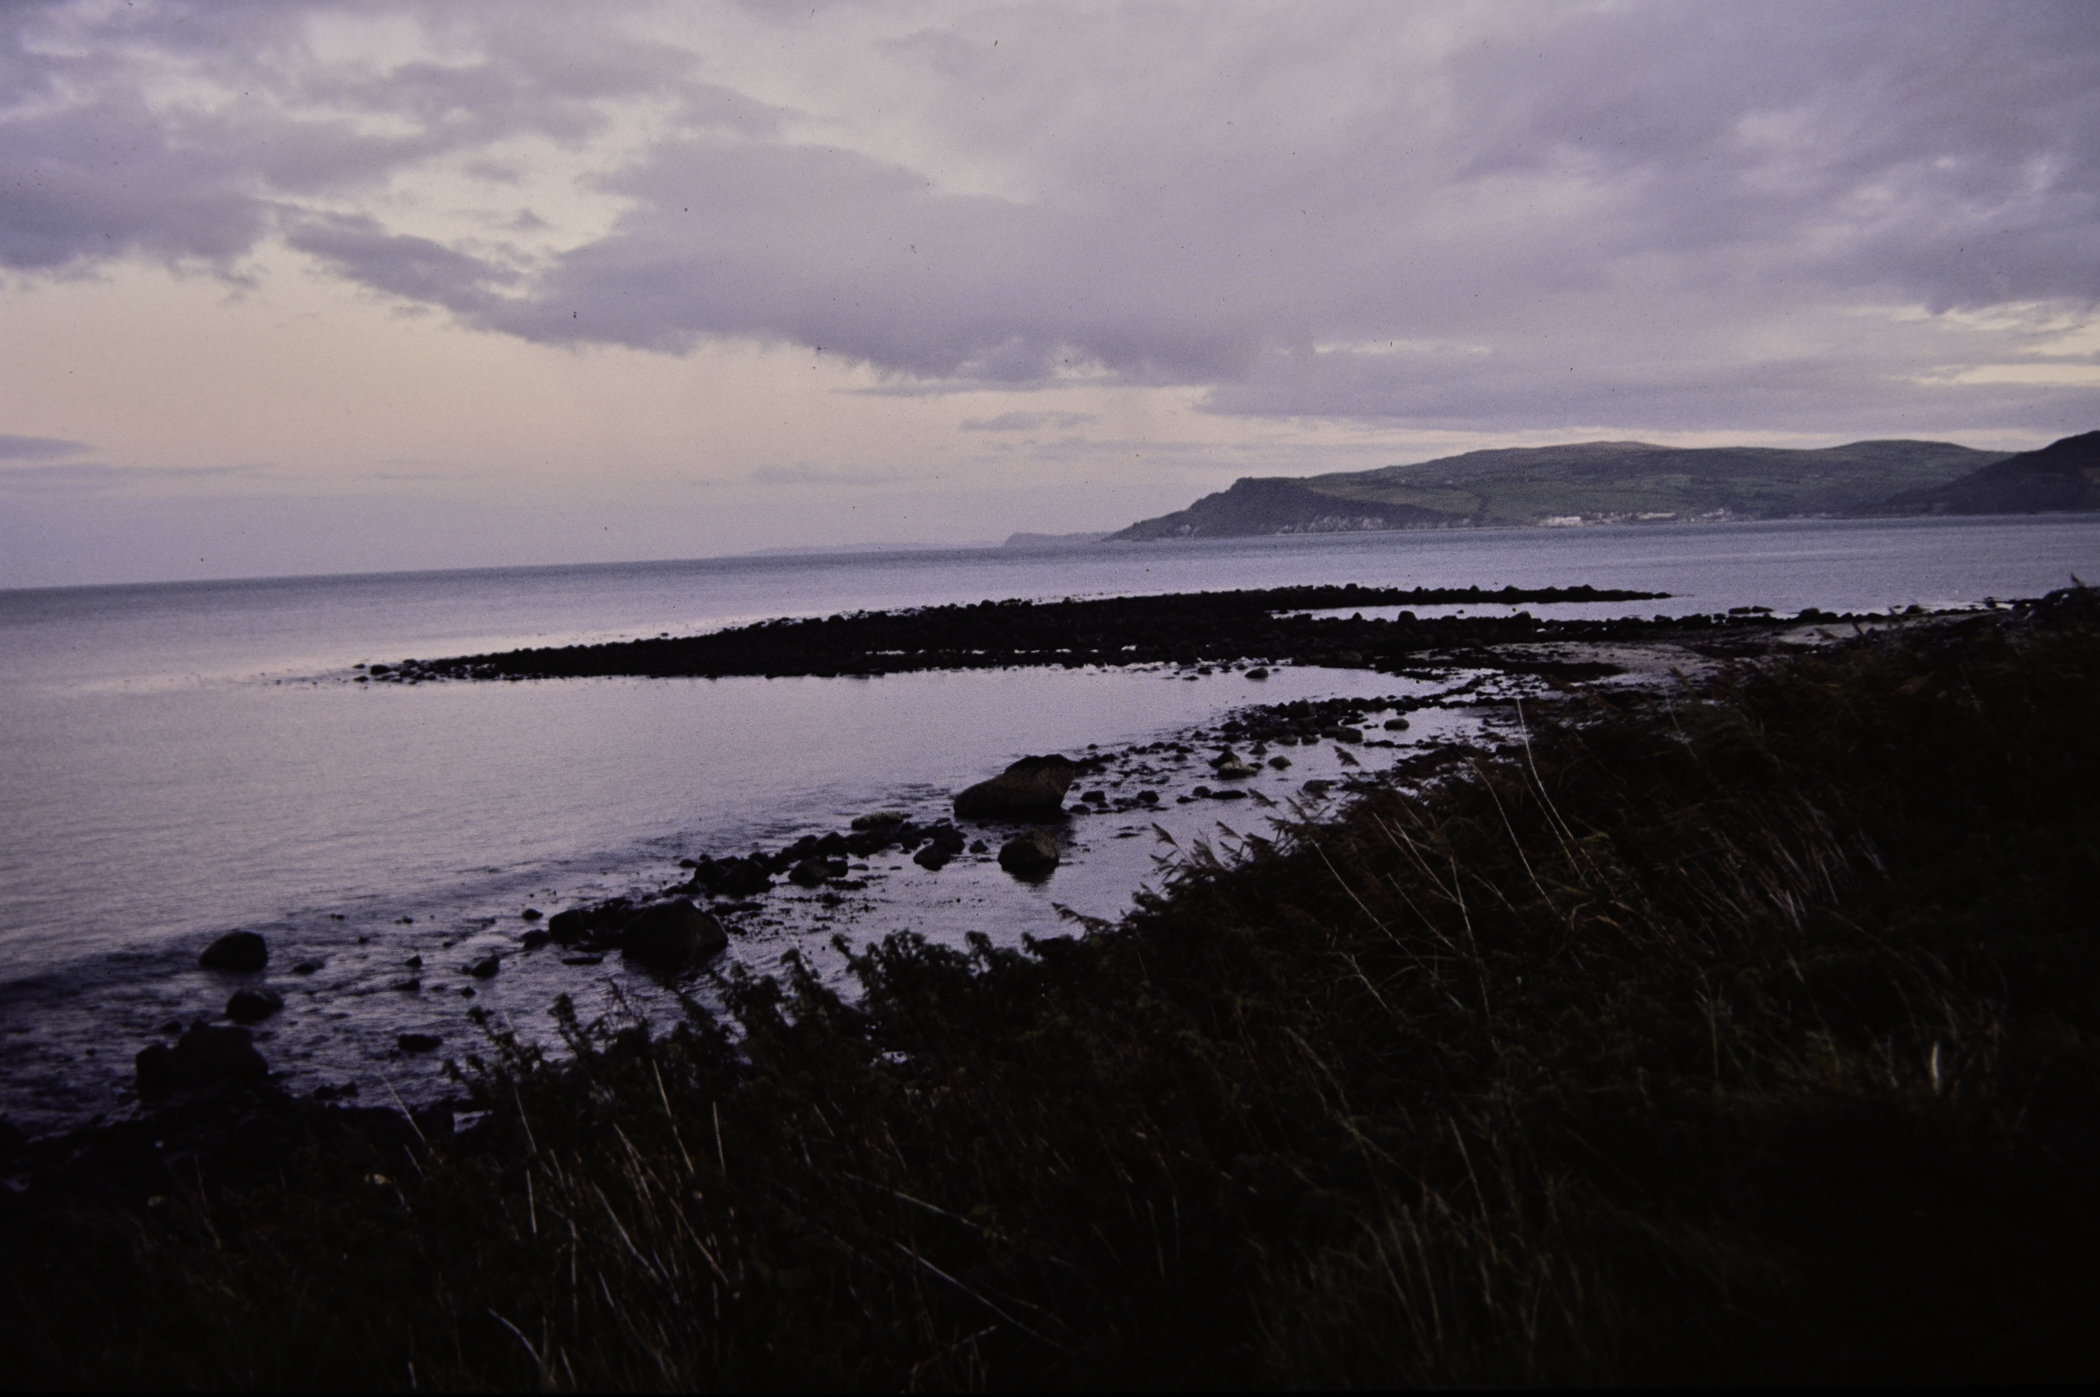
[[181, 759]]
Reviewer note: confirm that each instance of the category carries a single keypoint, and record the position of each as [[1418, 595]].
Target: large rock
[[236, 950], [1031, 855], [1032, 788], [668, 935], [205, 1056]]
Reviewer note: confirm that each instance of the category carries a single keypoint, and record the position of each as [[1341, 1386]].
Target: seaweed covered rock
[[669, 935], [1032, 788]]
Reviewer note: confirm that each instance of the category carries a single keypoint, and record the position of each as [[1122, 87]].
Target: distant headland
[[1614, 482]]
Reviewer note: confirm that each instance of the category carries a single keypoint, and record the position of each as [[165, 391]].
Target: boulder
[[1342, 734], [485, 967], [205, 1056], [253, 1006], [879, 819], [417, 1042], [667, 935], [1031, 855], [934, 857], [814, 870], [243, 951], [1233, 767], [1032, 788]]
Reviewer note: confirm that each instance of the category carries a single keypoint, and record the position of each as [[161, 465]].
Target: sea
[[178, 760]]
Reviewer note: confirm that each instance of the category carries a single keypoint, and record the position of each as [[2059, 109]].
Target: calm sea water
[[176, 760]]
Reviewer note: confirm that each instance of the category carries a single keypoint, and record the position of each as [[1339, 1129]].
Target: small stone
[[485, 967], [811, 872], [306, 967], [417, 1042], [1280, 763], [531, 914], [253, 1006]]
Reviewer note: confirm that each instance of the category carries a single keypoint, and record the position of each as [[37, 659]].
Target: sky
[[295, 288]]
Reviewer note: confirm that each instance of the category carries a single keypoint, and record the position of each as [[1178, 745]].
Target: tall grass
[[1744, 1034]]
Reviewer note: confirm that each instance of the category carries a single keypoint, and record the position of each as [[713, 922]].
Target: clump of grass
[[1744, 1034]]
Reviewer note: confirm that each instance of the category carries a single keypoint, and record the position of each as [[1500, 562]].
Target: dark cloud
[[38, 448], [1647, 213]]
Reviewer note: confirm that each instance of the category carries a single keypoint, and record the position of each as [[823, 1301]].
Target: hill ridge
[[1595, 482]]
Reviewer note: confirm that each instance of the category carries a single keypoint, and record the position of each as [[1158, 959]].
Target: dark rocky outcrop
[[243, 951], [1031, 855], [253, 1006], [1033, 788], [204, 1056], [1261, 626], [671, 935]]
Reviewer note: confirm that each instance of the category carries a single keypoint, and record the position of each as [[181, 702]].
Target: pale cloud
[[1028, 421], [818, 473]]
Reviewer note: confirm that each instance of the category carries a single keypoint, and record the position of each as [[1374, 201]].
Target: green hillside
[[2061, 478], [1593, 482]]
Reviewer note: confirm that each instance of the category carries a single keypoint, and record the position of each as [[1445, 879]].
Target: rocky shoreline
[[217, 1091]]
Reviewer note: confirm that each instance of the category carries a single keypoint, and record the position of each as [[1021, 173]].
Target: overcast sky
[[308, 287]]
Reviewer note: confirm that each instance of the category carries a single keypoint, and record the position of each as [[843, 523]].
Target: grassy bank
[[1743, 1035]]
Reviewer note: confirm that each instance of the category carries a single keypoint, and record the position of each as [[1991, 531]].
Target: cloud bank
[[1648, 215]]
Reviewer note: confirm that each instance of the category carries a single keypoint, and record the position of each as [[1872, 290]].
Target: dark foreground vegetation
[[1745, 1035], [1174, 628]]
